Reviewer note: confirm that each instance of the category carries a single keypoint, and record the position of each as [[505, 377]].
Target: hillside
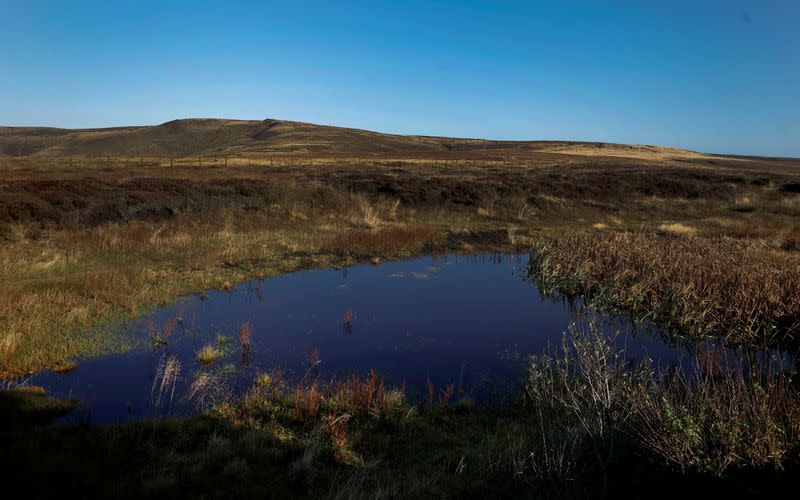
[[215, 137]]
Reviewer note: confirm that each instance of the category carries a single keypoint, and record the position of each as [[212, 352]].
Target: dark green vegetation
[[708, 245]]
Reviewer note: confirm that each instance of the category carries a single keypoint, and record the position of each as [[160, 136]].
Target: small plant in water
[[222, 340], [245, 332], [160, 337], [166, 376], [208, 354], [347, 322]]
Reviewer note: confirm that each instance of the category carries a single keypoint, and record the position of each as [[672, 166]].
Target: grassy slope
[[217, 137]]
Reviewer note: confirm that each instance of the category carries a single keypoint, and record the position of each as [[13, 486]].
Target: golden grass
[[208, 354], [698, 286], [677, 228]]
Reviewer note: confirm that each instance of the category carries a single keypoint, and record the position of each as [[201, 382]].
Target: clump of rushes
[[701, 287], [208, 354]]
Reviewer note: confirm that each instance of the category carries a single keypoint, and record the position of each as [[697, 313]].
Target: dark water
[[469, 321]]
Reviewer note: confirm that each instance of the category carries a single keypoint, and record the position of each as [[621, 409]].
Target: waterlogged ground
[[468, 321]]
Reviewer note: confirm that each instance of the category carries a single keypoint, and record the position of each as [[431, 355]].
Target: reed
[[164, 380], [701, 287]]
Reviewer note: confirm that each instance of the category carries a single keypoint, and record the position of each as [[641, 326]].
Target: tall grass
[[165, 379], [723, 414], [703, 287], [710, 417]]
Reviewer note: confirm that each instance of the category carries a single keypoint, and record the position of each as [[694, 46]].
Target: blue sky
[[716, 76]]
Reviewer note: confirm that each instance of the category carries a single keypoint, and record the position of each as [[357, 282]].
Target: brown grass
[[699, 286], [721, 415], [85, 246], [307, 403], [724, 412]]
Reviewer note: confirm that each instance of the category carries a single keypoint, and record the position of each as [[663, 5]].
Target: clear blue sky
[[717, 76]]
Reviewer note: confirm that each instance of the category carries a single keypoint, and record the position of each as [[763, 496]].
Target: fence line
[[109, 161]]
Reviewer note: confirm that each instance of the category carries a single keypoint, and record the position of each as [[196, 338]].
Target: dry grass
[[86, 247], [166, 377], [208, 354], [725, 412], [307, 402], [678, 229], [699, 286]]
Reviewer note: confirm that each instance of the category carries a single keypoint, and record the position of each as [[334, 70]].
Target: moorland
[[99, 226]]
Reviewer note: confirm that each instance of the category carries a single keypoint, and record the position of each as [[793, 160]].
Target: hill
[[217, 137]]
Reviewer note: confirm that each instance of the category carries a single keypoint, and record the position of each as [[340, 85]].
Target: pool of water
[[470, 321]]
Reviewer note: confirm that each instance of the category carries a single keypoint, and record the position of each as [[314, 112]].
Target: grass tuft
[[208, 354]]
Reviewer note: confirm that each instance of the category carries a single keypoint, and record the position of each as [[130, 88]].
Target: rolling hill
[[218, 137]]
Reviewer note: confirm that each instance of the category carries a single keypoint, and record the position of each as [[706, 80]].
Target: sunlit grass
[[208, 354]]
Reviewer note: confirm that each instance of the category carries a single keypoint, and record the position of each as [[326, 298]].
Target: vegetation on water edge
[[589, 424], [701, 287], [85, 248]]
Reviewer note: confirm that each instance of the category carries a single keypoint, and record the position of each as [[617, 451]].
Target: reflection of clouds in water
[[415, 275], [344, 285], [510, 353]]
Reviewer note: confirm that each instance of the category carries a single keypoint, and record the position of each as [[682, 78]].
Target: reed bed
[[697, 286]]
